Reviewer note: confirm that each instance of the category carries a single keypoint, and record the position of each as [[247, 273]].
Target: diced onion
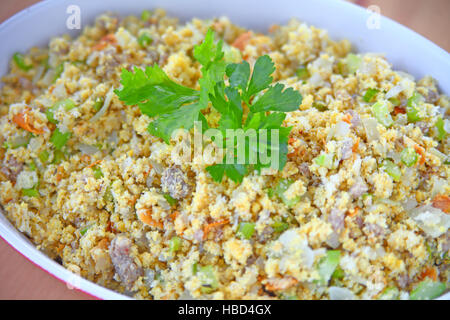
[[105, 106], [337, 293]]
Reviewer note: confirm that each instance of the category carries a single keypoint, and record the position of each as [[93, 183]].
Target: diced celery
[[325, 160], [98, 103], [59, 139], [280, 190], [440, 127], [392, 169], [390, 293], [395, 101], [97, 172], [43, 156], [174, 244], [280, 226], [32, 192], [370, 94], [320, 106], [327, 265], [145, 15], [208, 279], [58, 71], [169, 199], [145, 39], [246, 230], [409, 156], [302, 73], [58, 156], [19, 59], [338, 273], [108, 196], [413, 107], [350, 64], [381, 113], [427, 290], [84, 230]]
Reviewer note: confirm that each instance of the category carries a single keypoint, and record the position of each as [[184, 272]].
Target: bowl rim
[[16, 240]]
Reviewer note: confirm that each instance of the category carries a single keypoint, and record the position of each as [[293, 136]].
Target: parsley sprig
[[174, 106]]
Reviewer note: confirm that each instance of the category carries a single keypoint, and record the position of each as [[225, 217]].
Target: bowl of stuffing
[[291, 150]]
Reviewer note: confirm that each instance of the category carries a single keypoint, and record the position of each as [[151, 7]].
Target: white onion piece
[[87, 149], [38, 75], [431, 220], [105, 106], [370, 126], [337, 293], [394, 91]]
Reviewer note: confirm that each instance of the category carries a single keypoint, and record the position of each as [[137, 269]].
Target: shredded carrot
[[355, 146], [420, 151], [442, 202], [23, 120], [108, 39], [94, 163], [428, 272], [347, 118], [212, 225], [173, 215], [398, 110], [291, 140], [146, 217], [59, 173], [354, 212], [85, 158], [242, 41]]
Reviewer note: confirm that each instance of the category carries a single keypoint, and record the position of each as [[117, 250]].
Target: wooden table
[[20, 279]]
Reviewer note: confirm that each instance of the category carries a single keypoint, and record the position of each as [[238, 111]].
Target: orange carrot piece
[[94, 163], [428, 272], [242, 41], [420, 151], [354, 212], [347, 118], [355, 146], [146, 218], [442, 202], [398, 110], [108, 39], [23, 120], [212, 225], [173, 215]]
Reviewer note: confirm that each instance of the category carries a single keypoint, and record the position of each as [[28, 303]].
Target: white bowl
[[36, 25]]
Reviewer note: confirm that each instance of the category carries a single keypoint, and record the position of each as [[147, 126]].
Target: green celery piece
[[58, 71], [98, 174], [440, 127], [320, 106], [409, 156], [246, 230], [350, 64], [145, 15], [43, 156], [175, 244], [328, 265], [280, 226], [207, 278], [58, 156], [390, 293], [325, 160], [145, 39], [32, 192], [169, 199], [370, 94], [108, 196], [98, 103], [381, 113], [59, 139], [281, 188], [413, 107], [302, 73], [84, 230], [427, 290], [338, 273], [19, 60], [392, 169]]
